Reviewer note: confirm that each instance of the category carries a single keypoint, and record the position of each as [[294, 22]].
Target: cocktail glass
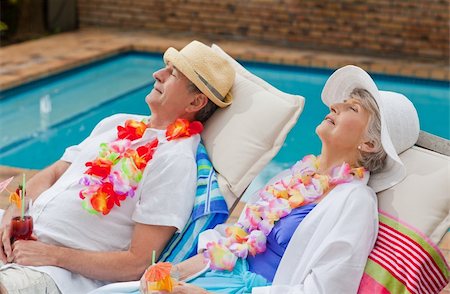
[[21, 225]]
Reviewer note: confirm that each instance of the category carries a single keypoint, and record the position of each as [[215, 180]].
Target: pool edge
[[74, 49]]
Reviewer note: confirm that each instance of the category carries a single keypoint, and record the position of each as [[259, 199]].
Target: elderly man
[[101, 210]]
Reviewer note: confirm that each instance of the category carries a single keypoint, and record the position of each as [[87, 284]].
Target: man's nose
[[159, 75]]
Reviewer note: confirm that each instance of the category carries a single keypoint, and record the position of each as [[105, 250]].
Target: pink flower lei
[[303, 186]]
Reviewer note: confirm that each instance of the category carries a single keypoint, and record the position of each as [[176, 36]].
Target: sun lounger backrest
[[422, 199], [414, 214], [242, 138]]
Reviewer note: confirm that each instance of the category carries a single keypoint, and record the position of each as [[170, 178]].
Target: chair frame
[[434, 143]]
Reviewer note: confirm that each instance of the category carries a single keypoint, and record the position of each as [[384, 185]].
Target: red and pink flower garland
[[115, 174]]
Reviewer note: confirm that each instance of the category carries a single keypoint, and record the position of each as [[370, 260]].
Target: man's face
[[170, 96]]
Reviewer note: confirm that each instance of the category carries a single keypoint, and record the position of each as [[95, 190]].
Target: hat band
[[210, 87]]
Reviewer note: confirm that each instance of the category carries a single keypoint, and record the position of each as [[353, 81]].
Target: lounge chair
[[414, 216]]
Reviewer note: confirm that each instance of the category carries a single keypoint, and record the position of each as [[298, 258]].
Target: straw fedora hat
[[212, 74], [399, 120]]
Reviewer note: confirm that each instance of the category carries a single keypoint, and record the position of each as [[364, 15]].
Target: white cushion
[[422, 199], [242, 138]]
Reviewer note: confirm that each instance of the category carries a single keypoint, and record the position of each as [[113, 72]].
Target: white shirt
[[165, 196]]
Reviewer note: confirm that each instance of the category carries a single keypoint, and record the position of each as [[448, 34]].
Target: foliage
[[8, 17], [3, 26]]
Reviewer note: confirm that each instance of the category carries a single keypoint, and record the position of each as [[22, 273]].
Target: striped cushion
[[209, 210], [403, 261]]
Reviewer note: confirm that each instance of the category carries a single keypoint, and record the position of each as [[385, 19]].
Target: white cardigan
[[329, 249]]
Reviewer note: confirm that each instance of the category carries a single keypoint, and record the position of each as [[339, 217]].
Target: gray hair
[[372, 161], [205, 113]]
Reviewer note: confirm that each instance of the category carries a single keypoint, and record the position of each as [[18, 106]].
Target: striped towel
[[403, 261], [209, 210]]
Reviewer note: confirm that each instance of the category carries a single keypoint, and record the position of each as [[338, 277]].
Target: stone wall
[[396, 28]]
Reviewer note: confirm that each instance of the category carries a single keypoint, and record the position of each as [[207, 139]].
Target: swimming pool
[[38, 120]]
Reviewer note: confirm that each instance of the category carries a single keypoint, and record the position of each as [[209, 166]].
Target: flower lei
[[249, 235], [115, 174]]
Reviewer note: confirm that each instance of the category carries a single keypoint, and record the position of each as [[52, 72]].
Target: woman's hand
[[181, 288], [34, 253], [185, 288], [186, 269]]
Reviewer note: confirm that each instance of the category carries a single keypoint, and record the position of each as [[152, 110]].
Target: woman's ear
[[199, 101], [367, 146]]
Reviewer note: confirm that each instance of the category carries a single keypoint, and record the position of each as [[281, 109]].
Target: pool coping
[[32, 60]]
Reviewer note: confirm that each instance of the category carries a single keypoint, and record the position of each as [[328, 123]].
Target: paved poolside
[[32, 60]]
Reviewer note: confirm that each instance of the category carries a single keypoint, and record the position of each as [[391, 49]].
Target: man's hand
[[5, 243], [35, 186], [34, 253]]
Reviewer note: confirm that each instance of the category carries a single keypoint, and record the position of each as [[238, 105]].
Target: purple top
[[266, 263]]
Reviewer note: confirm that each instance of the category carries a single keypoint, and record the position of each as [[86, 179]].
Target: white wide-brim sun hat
[[399, 121]]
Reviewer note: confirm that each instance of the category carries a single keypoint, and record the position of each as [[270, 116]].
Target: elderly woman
[[312, 227]]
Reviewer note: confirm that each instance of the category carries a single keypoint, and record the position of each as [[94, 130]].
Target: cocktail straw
[[22, 211], [22, 197], [153, 257]]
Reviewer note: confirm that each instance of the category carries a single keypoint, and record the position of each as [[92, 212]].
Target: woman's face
[[344, 128]]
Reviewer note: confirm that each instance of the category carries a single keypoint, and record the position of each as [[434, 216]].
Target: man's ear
[[199, 101]]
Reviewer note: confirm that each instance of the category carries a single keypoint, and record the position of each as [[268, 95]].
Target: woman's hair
[[203, 114], [372, 161]]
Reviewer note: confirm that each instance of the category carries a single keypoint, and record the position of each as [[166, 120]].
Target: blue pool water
[[38, 120]]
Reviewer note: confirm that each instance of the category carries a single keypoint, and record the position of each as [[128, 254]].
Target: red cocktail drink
[[21, 228]]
